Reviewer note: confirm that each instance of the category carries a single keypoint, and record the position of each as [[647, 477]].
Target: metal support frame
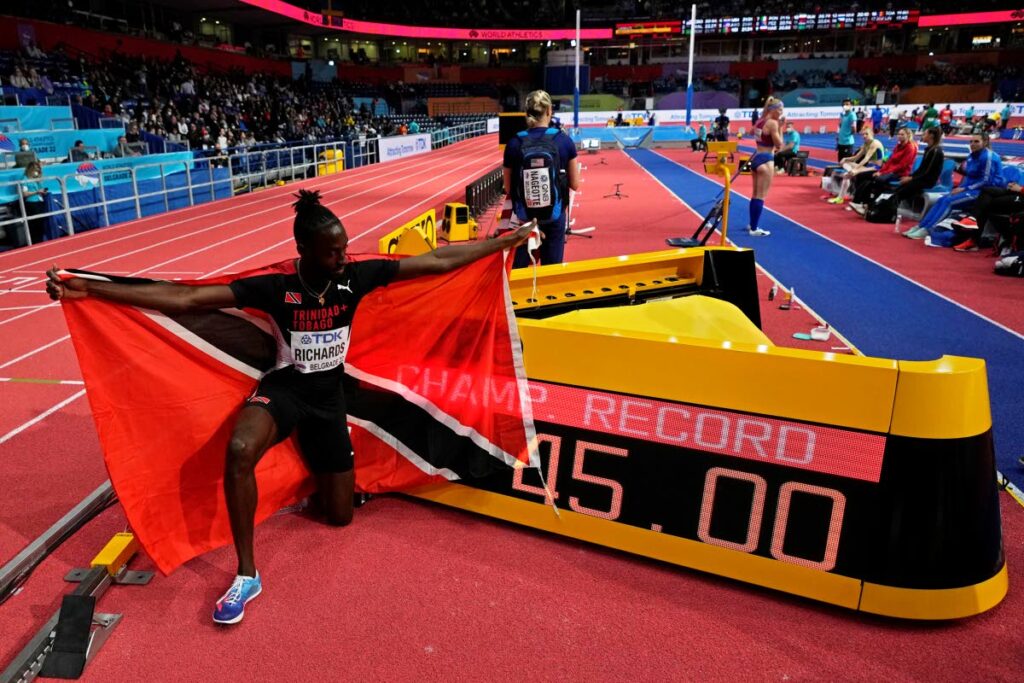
[[18, 568]]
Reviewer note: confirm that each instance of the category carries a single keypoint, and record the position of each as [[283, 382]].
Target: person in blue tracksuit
[[983, 168], [844, 136]]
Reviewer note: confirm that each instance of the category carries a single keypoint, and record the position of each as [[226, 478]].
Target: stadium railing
[[453, 134], [212, 174], [75, 203]]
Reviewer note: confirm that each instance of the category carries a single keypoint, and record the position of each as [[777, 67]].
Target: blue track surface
[[882, 313]]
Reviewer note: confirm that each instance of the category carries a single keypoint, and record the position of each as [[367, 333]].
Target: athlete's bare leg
[[254, 433]]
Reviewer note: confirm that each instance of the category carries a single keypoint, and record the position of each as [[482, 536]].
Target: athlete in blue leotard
[[768, 138]]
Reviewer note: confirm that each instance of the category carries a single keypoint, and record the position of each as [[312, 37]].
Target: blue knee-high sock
[[756, 206]]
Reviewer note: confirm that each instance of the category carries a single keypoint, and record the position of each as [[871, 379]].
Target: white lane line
[[202, 211], [42, 416], [447, 188], [327, 188], [364, 207], [458, 162], [24, 308], [363, 233], [34, 351], [53, 409]]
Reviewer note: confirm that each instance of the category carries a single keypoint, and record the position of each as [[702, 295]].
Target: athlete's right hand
[[73, 288]]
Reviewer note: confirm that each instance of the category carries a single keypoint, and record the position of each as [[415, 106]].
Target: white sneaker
[[757, 232], [859, 208]]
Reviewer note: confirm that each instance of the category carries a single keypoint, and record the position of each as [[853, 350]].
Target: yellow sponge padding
[[699, 317]]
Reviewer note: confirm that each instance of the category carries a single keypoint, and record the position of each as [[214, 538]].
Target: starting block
[[73, 636]]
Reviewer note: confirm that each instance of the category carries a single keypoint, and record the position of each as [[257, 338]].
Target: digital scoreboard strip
[[827, 21], [822, 475]]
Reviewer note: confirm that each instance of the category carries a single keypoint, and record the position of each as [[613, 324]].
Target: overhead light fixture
[[330, 62]]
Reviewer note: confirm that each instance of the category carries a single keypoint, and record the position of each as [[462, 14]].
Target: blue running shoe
[[231, 606]]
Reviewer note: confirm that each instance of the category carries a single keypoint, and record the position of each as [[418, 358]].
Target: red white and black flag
[[437, 391]]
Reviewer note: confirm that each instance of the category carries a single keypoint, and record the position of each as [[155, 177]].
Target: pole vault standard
[[576, 92], [689, 74]]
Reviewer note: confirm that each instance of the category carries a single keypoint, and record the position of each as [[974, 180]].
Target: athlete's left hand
[[522, 233]]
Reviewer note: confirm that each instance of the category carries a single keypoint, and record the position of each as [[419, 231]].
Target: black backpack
[[538, 192], [883, 211]]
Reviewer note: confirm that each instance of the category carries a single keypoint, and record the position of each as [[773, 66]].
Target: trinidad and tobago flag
[[436, 390]]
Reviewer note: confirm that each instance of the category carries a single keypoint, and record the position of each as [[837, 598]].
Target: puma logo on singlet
[[346, 288]]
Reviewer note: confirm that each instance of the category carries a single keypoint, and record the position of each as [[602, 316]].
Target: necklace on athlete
[[320, 296]]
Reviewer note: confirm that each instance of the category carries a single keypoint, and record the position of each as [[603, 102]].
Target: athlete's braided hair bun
[[311, 216], [306, 200]]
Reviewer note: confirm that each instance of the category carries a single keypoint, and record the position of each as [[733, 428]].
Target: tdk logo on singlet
[[326, 337]]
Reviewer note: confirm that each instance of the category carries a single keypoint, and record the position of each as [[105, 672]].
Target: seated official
[[868, 185], [25, 154], [790, 147], [78, 152], [700, 143], [123, 149]]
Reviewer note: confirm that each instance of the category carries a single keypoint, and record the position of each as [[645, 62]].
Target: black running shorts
[[316, 417]]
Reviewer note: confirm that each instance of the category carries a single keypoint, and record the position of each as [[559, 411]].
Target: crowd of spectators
[[705, 82], [816, 78], [175, 101]]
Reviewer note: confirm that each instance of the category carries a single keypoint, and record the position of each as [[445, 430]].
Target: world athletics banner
[[402, 146]]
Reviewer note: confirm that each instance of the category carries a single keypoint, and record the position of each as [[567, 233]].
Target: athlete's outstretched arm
[[167, 297], [449, 258]]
